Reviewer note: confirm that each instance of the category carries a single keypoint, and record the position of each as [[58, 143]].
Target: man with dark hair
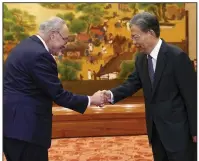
[[168, 80]]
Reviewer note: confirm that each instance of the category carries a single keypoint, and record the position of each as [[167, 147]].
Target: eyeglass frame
[[135, 37], [65, 39], [138, 35]]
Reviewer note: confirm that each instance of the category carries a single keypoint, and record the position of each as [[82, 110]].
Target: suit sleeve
[[186, 81], [45, 75], [129, 87]]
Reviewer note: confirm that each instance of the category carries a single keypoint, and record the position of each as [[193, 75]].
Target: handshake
[[100, 98]]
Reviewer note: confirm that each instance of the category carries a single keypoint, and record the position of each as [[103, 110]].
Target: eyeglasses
[[65, 39], [135, 37]]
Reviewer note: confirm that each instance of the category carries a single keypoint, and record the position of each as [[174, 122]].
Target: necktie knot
[[150, 57]]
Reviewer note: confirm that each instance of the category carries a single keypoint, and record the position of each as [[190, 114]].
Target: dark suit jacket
[[172, 103], [30, 86]]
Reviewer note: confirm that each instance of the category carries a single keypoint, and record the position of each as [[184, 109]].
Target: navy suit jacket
[[171, 102], [30, 86]]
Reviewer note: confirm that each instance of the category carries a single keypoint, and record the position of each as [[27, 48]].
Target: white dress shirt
[[46, 47], [154, 55]]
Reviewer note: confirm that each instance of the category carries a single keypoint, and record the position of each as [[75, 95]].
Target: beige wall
[[191, 7]]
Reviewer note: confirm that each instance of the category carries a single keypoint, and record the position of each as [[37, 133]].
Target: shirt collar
[[155, 51], [46, 47], [43, 42]]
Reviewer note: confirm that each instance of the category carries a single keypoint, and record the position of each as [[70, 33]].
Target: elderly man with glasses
[[30, 86]]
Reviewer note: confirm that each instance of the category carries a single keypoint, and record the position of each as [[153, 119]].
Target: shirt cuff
[[89, 101], [112, 99]]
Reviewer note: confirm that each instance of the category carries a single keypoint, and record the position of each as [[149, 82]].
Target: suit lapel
[[161, 62]]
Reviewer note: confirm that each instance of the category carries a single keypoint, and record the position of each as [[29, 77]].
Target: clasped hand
[[100, 98]]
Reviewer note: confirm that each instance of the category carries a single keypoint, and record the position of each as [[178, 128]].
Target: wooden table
[[123, 118]]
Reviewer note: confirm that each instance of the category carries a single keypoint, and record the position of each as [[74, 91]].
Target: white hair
[[53, 24]]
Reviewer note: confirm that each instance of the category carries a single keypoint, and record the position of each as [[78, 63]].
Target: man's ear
[[52, 35]]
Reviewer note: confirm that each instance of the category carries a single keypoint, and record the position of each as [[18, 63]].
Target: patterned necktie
[[150, 69]]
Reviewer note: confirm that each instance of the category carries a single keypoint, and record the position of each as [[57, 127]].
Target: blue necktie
[[150, 69]]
